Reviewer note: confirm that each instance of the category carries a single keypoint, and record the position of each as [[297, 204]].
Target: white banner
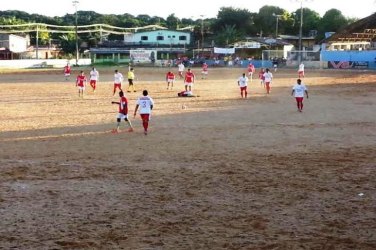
[[224, 50], [142, 55], [248, 45]]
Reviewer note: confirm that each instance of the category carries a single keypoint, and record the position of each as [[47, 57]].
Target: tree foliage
[[333, 20], [240, 20], [230, 25]]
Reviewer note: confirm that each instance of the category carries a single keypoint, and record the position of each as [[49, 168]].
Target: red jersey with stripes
[[67, 69], [81, 81], [123, 105], [170, 76], [189, 77]]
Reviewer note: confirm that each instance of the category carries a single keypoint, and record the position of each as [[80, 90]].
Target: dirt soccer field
[[214, 172]]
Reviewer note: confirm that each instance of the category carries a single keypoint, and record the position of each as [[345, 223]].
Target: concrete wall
[[348, 58], [55, 63]]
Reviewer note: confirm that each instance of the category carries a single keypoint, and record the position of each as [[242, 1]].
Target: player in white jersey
[[181, 68], [118, 79], [298, 92], [301, 70], [146, 104], [268, 77], [243, 83], [94, 76]]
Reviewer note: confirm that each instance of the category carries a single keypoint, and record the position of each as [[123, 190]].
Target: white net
[[291, 58]]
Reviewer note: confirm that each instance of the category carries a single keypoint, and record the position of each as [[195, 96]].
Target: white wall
[[170, 37], [56, 63], [17, 44]]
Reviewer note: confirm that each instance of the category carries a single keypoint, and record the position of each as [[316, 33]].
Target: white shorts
[[81, 88], [204, 72], [170, 80], [67, 74], [189, 84], [121, 116]]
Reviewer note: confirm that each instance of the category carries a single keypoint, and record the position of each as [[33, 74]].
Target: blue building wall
[[350, 59]]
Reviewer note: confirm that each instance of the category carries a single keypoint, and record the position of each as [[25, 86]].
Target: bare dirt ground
[[223, 173]]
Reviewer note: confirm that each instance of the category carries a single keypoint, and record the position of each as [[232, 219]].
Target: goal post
[[291, 59]]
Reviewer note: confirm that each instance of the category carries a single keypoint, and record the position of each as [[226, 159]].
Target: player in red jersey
[[81, 83], [67, 71], [123, 113], [146, 104], [170, 78], [189, 79], [251, 70], [204, 71]]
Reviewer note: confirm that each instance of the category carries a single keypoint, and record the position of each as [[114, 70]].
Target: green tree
[[311, 21], [68, 43], [172, 22], [265, 20], [43, 35], [240, 19], [228, 35], [333, 20]]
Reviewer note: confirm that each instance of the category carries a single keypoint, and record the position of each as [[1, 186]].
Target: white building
[[159, 37]]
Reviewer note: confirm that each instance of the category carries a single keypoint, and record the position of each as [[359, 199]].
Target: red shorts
[[117, 85], [145, 117], [243, 88], [93, 81], [299, 99]]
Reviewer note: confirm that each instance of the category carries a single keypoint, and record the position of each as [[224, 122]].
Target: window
[[160, 38], [182, 38], [144, 38]]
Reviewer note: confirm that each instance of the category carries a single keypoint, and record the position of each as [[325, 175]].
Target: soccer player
[[251, 70], [261, 77], [131, 79], [146, 104], [123, 113], [94, 76], [81, 83], [301, 70], [268, 77], [298, 92], [275, 63], [118, 79], [170, 78], [189, 79], [181, 68], [67, 71], [243, 83], [204, 71]]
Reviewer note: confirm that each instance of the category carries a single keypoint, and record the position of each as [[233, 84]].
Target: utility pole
[[75, 3], [276, 25], [301, 29], [37, 44], [202, 35]]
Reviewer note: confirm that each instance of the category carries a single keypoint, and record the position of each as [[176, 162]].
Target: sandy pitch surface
[[214, 172]]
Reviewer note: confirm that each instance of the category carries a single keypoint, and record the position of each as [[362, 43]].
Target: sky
[[184, 9]]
